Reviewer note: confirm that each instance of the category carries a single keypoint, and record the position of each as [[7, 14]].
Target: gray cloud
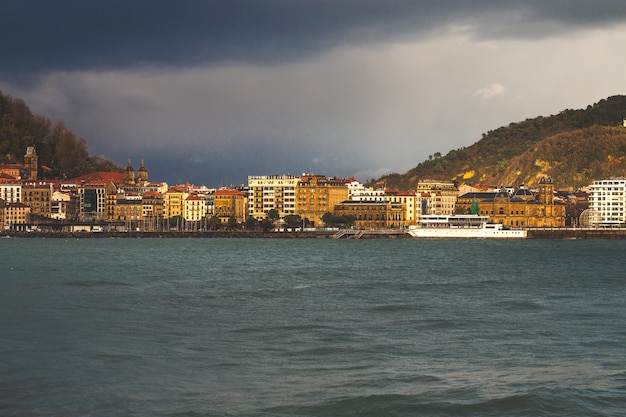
[[70, 35], [211, 92]]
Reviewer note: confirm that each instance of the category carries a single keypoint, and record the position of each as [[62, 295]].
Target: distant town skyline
[[210, 92]]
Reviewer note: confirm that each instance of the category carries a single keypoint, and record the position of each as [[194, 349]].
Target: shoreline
[[561, 233]]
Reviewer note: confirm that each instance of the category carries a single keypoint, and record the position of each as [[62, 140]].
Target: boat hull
[[481, 233]]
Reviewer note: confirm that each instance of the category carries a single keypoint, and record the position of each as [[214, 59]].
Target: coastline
[[556, 233]]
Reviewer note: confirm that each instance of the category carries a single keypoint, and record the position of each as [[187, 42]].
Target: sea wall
[[577, 233]]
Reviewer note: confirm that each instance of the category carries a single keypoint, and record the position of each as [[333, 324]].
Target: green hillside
[[574, 147], [59, 149]]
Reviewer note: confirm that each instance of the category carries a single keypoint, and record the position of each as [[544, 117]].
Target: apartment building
[[271, 192], [230, 204], [11, 192], [441, 199], [38, 196], [607, 199], [317, 195]]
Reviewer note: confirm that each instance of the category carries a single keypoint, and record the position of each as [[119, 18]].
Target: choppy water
[[279, 327]]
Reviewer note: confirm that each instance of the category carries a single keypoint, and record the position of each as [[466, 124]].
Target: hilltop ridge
[[574, 147]]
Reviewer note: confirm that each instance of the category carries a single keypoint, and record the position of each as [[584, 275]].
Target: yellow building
[[373, 214], [38, 196], [317, 195], [520, 209], [174, 202], [272, 192], [409, 201], [152, 210], [14, 216], [230, 203]]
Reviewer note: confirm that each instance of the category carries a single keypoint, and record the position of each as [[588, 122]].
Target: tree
[[233, 223], [327, 218], [266, 225], [273, 215], [214, 223], [251, 223], [293, 220]]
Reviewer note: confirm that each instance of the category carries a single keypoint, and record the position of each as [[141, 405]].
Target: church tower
[[129, 174], [30, 163], [546, 191], [142, 174]]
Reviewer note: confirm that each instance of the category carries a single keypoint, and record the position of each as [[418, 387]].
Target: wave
[[546, 403]]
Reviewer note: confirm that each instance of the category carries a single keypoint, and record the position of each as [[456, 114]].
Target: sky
[[210, 92]]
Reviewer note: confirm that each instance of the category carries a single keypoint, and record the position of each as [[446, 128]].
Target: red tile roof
[[100, 177]]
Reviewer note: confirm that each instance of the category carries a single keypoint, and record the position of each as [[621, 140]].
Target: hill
[[574, 147], [58, 148]]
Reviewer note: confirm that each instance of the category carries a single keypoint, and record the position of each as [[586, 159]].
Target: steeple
[[129, 174], [142, 173]]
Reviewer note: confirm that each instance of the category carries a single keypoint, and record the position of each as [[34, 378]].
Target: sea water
[[307, 327]]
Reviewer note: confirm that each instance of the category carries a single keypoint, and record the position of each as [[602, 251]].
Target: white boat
[[463, 226]]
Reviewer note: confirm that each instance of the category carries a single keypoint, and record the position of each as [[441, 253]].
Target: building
[[521, 209], [152, 210], [607, 200], [195, 208], [60, 205], [373, 214], [174, 202], [11, 192], [440, 197], [38, 196], [317, 195], [410, 202], [230, 204], [93, 201], [272, 192], [14, 216], [30, 164]]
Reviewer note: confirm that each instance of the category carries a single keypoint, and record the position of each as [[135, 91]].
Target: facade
[[38, 196], [441, 199], [522, 209], [60, 205], [317, 195], [230, 204], [174, 203], [607, 199], [152, 210], [271, 192], [128, 209], [11, 192], [410, 203], [93, 201], [373, 214], [11, 170], [14, 216], [195, 208]]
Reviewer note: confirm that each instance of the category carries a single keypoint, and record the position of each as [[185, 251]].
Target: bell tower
[[129, 174], [31, 162], [546, 191], [142, 174]]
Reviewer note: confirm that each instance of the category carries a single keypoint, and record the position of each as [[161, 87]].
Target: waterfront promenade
[[538, 233]]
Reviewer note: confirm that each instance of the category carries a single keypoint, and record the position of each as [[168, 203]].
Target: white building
[[59, 205], [272, 192], [11, 192], [607, 199]]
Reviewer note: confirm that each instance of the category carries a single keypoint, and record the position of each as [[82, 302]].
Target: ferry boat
[[463, 226]]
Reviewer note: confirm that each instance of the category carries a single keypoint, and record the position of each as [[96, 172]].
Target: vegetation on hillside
[[574, 147], [59, 149]]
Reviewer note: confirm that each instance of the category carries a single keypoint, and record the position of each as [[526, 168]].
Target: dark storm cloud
[[42, 36]]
